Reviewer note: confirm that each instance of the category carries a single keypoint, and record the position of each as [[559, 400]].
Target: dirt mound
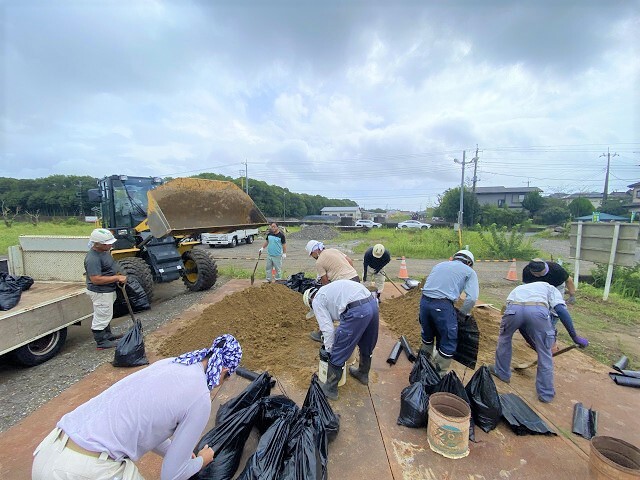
[[268, 321], [401, 315], [315, 232]]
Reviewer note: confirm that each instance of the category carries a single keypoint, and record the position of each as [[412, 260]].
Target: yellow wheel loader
[[157, 225]]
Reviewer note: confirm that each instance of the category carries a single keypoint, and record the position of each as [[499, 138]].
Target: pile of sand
[[315, 232]]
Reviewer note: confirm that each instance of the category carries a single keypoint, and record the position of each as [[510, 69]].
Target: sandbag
[[274, 407], [414, 406], [24, 281], [227, 439], [484, 399], [259, 388], [424, 371], [450, 383], [468, 341], [299, 283], [268, 458], [316, 399], [130, 348], [306, 455], [137, 298], [10, 291]]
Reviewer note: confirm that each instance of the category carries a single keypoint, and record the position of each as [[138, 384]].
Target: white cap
[[466, 256], [378, 250], [311, 244], [102, 235], [306, 296]]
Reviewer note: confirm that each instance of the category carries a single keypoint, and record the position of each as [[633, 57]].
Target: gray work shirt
[[100, 263], [449, 280]]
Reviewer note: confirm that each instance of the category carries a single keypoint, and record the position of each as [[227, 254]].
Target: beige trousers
[[54, 461], [102, 308]]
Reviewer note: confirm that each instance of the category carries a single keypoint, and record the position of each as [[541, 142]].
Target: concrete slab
[[370, 443]]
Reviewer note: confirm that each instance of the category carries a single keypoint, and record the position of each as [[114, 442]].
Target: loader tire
[[200, 270], [138, 268]]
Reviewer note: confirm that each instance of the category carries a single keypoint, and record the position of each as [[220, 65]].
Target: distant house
[[594, 197], [321, 219], [351, 212], [503, 196], [634, 206]]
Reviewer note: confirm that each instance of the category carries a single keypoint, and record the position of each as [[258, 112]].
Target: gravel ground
[[22, 390]]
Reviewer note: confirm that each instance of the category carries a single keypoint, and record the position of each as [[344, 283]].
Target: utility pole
[[246, 177], [475, 179], [79, 195], [461, 209], [606, 178], [241, 172]]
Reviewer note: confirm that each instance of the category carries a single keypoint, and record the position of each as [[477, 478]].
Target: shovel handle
[[385, 276], [123, 288]]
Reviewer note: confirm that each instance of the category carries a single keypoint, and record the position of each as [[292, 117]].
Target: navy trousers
[[438, 320], [358, 326]]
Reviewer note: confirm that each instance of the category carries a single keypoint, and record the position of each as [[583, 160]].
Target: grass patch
[[9, 236], [435, 243]]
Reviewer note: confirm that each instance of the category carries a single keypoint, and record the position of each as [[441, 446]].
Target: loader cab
[[123, 202]]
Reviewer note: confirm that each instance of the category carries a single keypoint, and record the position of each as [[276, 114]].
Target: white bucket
[[323, 365]]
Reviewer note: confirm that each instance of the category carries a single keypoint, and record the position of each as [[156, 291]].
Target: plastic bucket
[[448, 427], [323, 364], [611, 458]]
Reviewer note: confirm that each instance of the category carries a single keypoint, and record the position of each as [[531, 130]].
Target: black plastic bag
[[484, 399], [451, 383], [137, 298], [260, 387], [273, 408], [267, 461], [468, 341], [306, 457], [414, 406], [10, 292], [316, 399], [521, 418], [299, 283], [24, 281], [227, 439], [424, 371], [130, 349]]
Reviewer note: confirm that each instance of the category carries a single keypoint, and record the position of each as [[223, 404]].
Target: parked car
[[413, 224], [368, 224]]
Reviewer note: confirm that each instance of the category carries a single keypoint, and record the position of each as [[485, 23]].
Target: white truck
[[35, 329], [229, 239]]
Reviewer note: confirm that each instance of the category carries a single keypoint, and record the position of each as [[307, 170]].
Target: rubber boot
[[316, 336], [362, 372], [102, 339], [330, 387], [113, 336], [442, 364], [427, 350]]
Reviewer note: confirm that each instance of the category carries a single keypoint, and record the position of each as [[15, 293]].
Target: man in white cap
[[331, 265], [356, 309], [376, 258], [438, 317], [102, 277]]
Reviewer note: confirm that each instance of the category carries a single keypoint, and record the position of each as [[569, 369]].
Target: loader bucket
[[193, 205]]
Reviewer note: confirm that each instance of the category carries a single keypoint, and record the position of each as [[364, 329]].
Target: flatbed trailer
[[35, 329]]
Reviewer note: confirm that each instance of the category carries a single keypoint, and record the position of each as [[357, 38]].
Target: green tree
[[533, 202], [615, 206], [501, 216], [580, 206], [449, 205], [554, 215]]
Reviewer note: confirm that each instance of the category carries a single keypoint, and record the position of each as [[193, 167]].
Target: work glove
[[571, 300], [284, 255], [580, 341], [261, 250]]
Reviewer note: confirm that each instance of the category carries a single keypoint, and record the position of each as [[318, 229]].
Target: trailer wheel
[[200, 270], [138, 268], [249, 240], [41, 350]]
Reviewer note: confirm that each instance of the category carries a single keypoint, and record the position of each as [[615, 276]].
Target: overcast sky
[[365, 100]]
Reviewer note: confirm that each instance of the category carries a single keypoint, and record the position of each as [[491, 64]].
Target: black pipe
[[395, 353], [248, 374], [407, 349]]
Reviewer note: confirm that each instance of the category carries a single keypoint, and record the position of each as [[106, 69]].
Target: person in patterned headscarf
[[164, 407]]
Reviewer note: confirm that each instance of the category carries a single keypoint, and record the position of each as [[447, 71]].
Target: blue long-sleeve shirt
[[449, 280]]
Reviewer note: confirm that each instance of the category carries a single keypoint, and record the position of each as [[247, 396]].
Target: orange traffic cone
[[403, 270], [273, 274], [512, 274]]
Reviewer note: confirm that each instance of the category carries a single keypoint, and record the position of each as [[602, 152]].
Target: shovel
[[123, 288], [385, 276], [253, 275], [523, 366]]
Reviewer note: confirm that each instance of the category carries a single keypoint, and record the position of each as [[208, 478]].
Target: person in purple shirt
[[163, 408]]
